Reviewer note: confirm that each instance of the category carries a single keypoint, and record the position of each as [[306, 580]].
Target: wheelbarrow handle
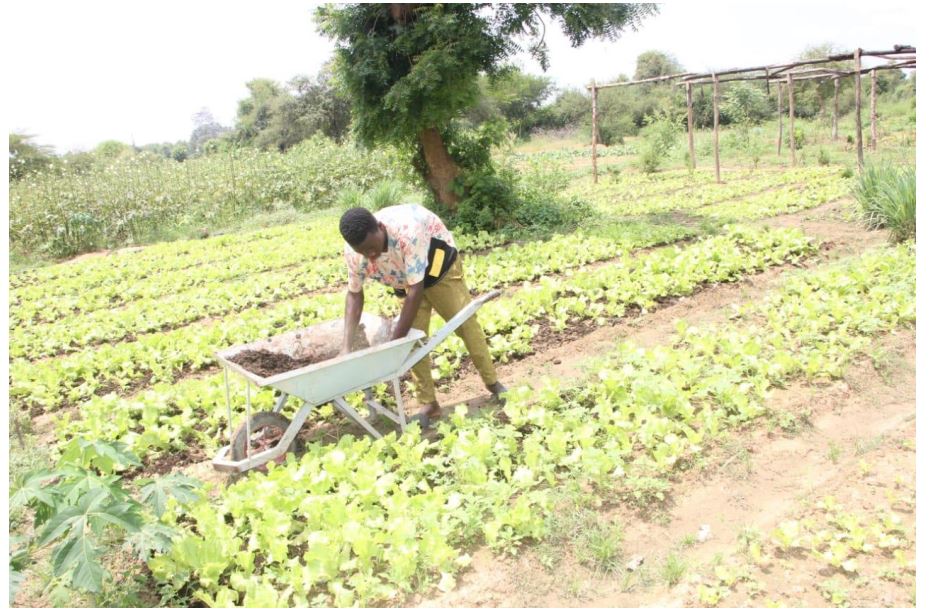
[[456, 321]]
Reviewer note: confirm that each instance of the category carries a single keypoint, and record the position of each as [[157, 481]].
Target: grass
[[834, 452], [738, 463], [673, 569], [886, 195], [863, 447]]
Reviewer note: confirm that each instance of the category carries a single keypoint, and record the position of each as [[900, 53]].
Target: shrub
[[659, 138], [799, 138], [488, 199], [823, 158], [886, 197], [500, 197]]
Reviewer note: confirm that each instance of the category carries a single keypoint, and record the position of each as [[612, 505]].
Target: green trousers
[[448, 296]]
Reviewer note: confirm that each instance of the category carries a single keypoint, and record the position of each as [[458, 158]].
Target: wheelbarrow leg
[[340, 404], [401, 409], [280, 402], [369, 401]]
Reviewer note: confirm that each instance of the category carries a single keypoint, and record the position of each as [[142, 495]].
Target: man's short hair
[[356, 224]]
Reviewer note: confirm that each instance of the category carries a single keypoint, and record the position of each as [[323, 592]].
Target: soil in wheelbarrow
[[265, 363]]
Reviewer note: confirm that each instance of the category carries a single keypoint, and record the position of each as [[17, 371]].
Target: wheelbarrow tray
[[322, 382]]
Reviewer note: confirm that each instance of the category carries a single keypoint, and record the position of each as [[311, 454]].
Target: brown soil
[[168, 462], [265, 363]]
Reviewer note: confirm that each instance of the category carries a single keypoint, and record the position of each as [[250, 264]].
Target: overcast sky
[[83, 72]]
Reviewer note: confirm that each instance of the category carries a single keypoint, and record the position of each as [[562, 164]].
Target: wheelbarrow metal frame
[[293, 383]]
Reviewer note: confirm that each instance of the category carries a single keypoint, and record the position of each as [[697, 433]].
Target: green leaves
[[103, 456], [155, 492], [77, 526]]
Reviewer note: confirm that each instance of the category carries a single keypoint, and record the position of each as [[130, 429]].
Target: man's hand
[[354, 306], [414, 296]]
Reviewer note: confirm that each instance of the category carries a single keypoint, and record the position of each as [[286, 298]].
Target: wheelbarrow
[[379, 359]]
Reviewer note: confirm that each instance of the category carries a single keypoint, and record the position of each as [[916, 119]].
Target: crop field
[[674, 366]]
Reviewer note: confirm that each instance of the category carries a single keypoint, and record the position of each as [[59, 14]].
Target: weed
[[598, 546], [576, 589], [689, 540], [863, 447], [640, 577], [834, 453], [674, 568], [886, 196], [739, 460]]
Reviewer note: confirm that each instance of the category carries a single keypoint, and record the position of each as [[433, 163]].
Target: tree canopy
[[411, 69]]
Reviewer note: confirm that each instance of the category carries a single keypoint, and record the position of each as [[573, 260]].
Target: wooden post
[[874, 109], [689, 125], [715, 133], [858, 145], [835, 111], [779, 116], [789, 81], [594, 92]]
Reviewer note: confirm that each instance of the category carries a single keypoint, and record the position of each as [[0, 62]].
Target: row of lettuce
[[363, 522], [65, 320], [192, 411]]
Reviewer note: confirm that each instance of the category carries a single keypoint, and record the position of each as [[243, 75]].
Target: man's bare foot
[[497, 390]]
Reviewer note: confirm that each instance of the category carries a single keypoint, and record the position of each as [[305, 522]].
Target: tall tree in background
[[322, 105], [206, 129], [653, 63], [274, 116], [254, 113], [411, 69]]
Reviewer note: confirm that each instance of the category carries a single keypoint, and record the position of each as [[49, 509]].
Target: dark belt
[[439, 259]]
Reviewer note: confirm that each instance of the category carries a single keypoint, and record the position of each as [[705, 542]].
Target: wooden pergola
[[900, 57]]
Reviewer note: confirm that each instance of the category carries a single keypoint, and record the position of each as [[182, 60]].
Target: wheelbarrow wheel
[[267, 429]]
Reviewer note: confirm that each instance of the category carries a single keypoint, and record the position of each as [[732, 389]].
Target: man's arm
[[354, 305], [410, 307]]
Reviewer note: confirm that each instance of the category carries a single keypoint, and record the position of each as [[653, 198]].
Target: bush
[[747, 140], [823, 157], [659, 138], [612, 130], [799, 138], [498, 198], [746, 103], [488, 199], [886, 197]]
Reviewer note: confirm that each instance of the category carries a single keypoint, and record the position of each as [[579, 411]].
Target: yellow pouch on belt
[[440, 259]]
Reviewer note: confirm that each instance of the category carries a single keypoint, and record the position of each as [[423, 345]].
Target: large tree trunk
[[441, 168]]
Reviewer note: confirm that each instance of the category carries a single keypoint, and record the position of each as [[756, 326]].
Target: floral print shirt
[[410, 228]]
